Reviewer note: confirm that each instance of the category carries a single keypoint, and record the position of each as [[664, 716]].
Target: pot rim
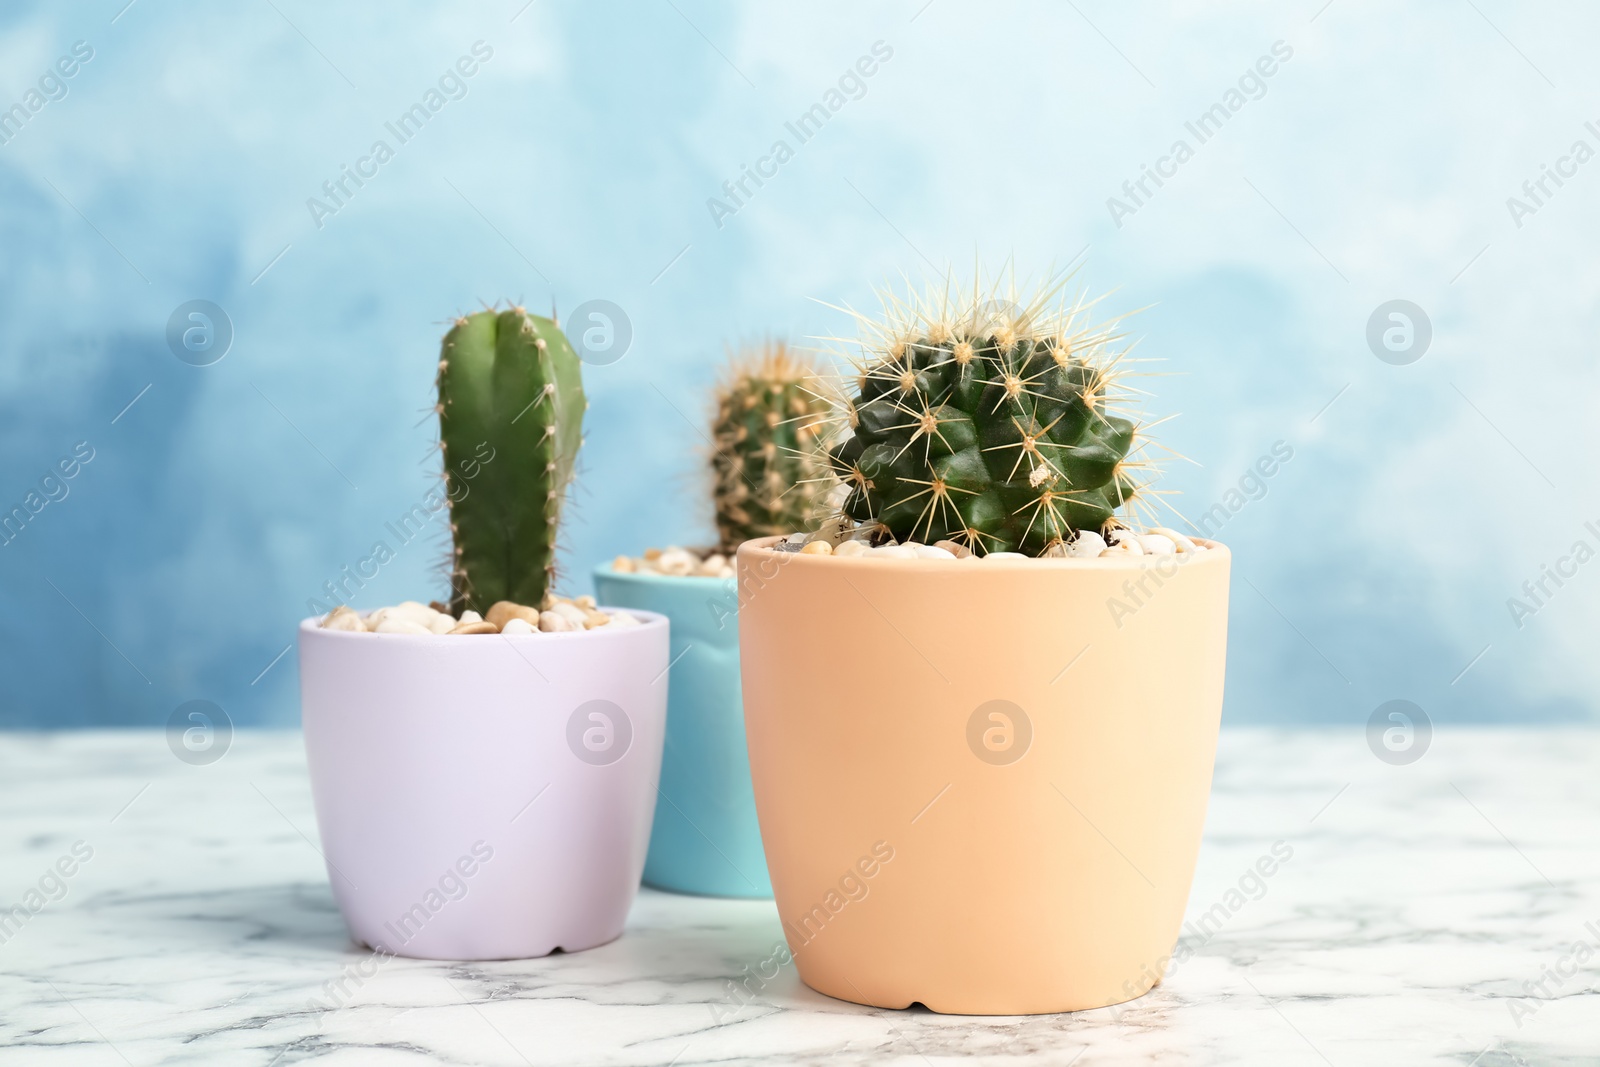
[[647, 620], [651, 577], [1215, 551]]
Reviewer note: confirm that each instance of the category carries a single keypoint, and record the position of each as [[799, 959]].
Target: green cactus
[[767, 465], [509, 382], [987, 423]]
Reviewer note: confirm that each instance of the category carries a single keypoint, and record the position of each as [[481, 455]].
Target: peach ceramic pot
[[484, 797], [982, 783]]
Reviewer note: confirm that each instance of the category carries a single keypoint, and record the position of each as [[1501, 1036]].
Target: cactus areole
[[510, 424], [768, 469], [987, 422]]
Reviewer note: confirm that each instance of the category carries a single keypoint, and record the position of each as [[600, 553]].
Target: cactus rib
[[987, 422], [767, 466], [510, 398]]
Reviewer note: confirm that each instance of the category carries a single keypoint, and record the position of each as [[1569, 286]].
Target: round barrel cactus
[[987, 422], [768, 468]]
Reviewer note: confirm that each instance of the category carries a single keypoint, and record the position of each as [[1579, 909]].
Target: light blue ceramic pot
[[705, 838]]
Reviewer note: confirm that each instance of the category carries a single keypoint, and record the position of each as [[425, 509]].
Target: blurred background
[[1336, 157]]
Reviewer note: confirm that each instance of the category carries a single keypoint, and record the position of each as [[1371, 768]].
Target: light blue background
[[578, 166]]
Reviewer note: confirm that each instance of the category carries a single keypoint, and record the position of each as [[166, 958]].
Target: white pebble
[[470, 616], [1123, 541], [851, 548], [517, 626], [551, 623], [1155, 544], [571, 612], [396, 624], [342, 618], [412, 609], [894, 552], [1087, 546], [931, 552], [1005, 555], [623, 620], [441, 623], [1183, 544]]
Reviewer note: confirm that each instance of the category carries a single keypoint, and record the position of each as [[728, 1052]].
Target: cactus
[[767, 465], [987, 423], [509, 382]]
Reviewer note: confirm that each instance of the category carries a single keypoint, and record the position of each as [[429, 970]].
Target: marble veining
[[1436, 913]]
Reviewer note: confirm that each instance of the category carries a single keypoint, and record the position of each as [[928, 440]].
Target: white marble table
[[1418, 902]]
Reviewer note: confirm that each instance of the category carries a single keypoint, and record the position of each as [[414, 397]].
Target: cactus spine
[[987, 422], [767, 465], [510, 424]]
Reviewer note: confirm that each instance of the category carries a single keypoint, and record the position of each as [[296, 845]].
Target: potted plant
[[766, 472], [982, 719], [484, 769]]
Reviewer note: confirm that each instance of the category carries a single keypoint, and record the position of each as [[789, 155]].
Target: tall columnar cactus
[[510, 424], [768, 467], [986, 422]]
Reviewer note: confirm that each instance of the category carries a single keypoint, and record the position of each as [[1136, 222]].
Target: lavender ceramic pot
[[484, 797]]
